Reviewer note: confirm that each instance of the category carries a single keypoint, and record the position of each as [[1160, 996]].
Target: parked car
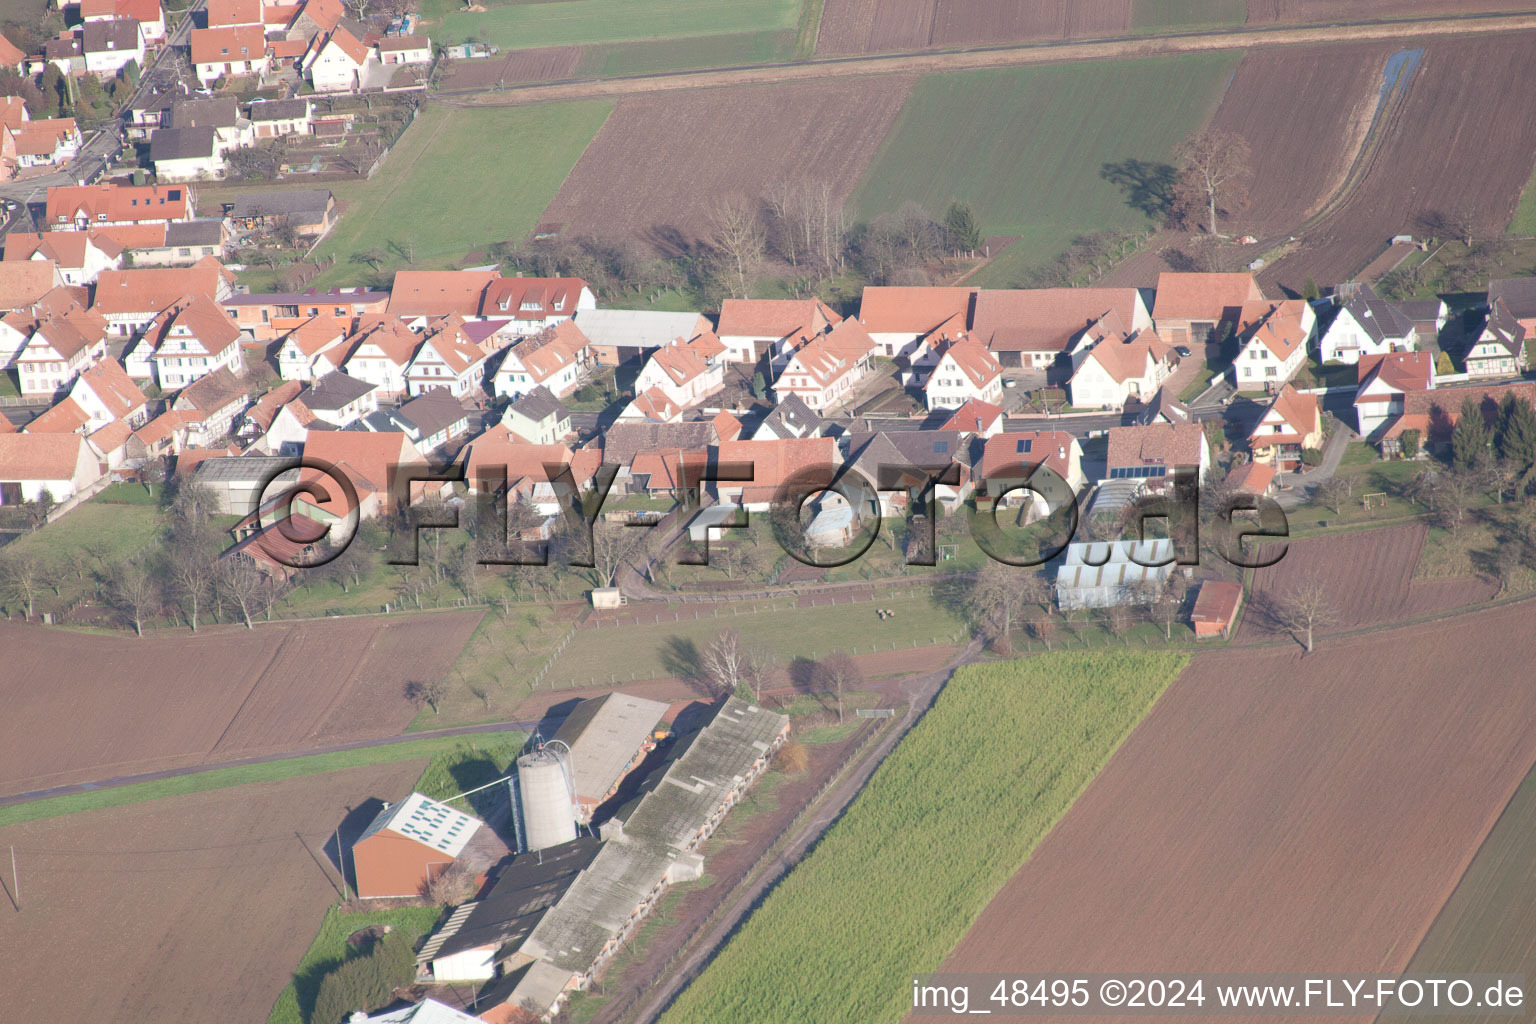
[[1183, 351]]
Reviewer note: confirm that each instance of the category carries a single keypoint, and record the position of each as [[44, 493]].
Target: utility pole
[[15, 885], [341, 864]]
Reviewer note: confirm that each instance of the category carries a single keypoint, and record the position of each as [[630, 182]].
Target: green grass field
[[1026, 146], [500, 166], [1524, 223], [330, 948], [1180, 15], [947, 819], [1485, 925], [579, 22]]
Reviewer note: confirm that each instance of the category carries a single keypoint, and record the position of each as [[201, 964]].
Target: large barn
[[407, 845]]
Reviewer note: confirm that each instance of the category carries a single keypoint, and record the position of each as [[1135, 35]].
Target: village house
[[339, 400], [1499, 350], [79, 207], [80, 256], [790, 417], [176, 244], [685, 372], [899, 318], [1157, 454], [381, 354], [825, 370], [535, 304], [109, 46], [431, 419], [1433, 413], [256, 421], [337, 64], [1118, 369], [439, 292], [132, 299], [753, 328], [408, 845], [147, 13], [185, 154], [555, 359], [1365, 325], [1273, 339], [976, 419], [276, 119], [1383, 380], [221, 113], [25, 143], [310, 212], [106, 394], [616, 336], [266, 316], [964, 372], [313, 349], [230, 52], [651, 405], [25, 283], [59, 350], [1255, 479], [370, 460], [210, 406], [193, 339], [1011, 459], [61, 465], [1040, 328], [1519, 297], [538, 417], [232, 13], [1195, 308], [774, 465], [903, 469], [447, 358], [393, 50], [1292, 424]]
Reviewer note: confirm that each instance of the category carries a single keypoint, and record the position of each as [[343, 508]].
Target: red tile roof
[[40, 456], [138, 10], [1217, 602], [1403, 371], [1046, 319], [1003, 453], [1252, 478], [1277, 325], [653, 404], [1300, 414], [532, 298], [109, 382], [234, 12], [439, 292], [895, 310], [773, 318], [372, 457], [153, 289], [975, 362], [974, 416], [24, 282], [1128, 359], [1163, 444], [775, 462], [1194, 296], [65, 418], [10, 56], [226, 44], [109, 202]]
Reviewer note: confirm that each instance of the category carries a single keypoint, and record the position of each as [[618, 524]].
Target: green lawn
[[221, 778], [330, 948], [500, 167], [471, 763], [1524, 223], [1181, 15], [945, 821], [8, 388], [578, 22], [1025, 147]]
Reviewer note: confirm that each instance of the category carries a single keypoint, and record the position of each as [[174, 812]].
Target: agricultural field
[[1304, 113], [179, 904], [1028, 147], [1485, 925], [578, 22], [946, 820], [1368, 576], [1265, 12], [662, 162], [501, 164], [131, 705], [545, 64], [1279, 812], [1421, 172]]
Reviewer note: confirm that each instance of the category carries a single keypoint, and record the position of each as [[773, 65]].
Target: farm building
[[1104, 574], [407, 845], [607, 736], [428, 1011], [1256, 479], [619, 335], [469, 945], [650, 844], [308, 211], [1215, 610]]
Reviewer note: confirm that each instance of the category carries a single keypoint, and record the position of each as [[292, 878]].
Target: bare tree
[[22, 578], [449, 888], [723, 661], [758, 668], [1305, 607], [995, 596], [838, 673], [1214, 173], [426, 694], [134, 592], [192, 569], [736, 236], [239, 581]]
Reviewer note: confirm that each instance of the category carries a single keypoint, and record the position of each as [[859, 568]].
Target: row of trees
[[367, 982]]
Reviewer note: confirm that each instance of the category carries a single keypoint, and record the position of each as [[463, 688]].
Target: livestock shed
[[1156, 551], [407, 845], [1215, 610], [607, 737], [237, 483]]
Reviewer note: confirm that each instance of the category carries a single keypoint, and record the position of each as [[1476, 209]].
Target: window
[[1022, 447]]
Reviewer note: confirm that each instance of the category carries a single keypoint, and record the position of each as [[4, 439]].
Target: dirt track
[[1008, 56]]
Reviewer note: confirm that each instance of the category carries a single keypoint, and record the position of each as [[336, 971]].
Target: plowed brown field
[[1281, 812], [1266, 12], [80, 708], [661, 163], [879, 26], [1304, 112], [1368, 577], [544, 64], [158, 911], [1463, 143]]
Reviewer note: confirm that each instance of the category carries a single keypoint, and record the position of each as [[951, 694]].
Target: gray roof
[[925, 449], [180, 143], [604, 735], [637, 329], [1504, 328], [334, 391], [432, 411], [540, 404], [117, 34], [1165, 409], [791, 418], [285, 203], [1376, 316], [1518, 293], [195, 232], [204, 112], [278, 110], [243, 468], [623, 441]]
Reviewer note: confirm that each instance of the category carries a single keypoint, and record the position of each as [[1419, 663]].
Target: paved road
[[197, 769], [925, 62]]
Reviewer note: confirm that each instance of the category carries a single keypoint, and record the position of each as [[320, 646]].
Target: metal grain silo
[[544, 799]]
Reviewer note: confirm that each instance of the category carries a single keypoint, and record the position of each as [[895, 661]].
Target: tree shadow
[[680, 657], [1147, 184]]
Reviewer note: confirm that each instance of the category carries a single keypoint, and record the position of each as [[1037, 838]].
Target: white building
[[964, 372], [193, 340], [1274, 337], [1366, 326], [1117, 369], [685, 371], [553, 359]]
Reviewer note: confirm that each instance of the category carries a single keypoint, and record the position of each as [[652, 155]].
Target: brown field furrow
[[1281, 812], [544, 64], [158, 911], [661, 164], [884, 26], [1462, 144], [1269, 12], [82, 707]]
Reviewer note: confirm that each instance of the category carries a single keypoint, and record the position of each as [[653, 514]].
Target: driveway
[[1299, 487]]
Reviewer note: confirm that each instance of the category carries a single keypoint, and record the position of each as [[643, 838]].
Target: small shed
[[408, 845], [607, 597], [1216, 608]]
